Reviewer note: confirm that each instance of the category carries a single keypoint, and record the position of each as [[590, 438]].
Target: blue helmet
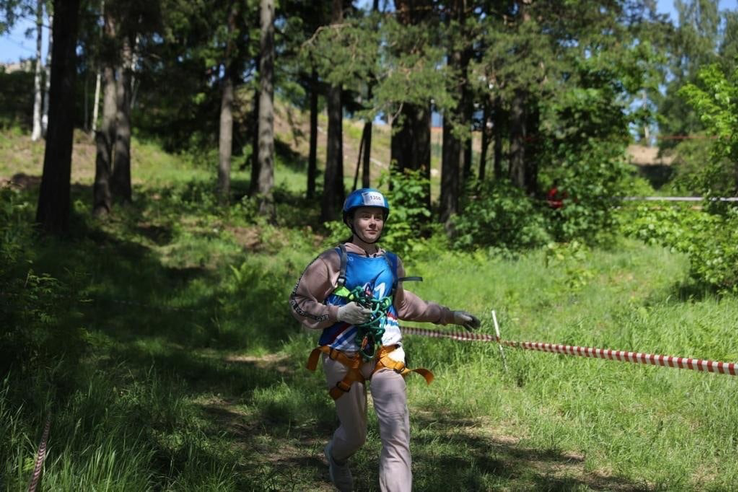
[[365, 197]]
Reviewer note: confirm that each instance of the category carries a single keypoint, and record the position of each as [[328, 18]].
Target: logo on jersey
[[370, 288], [373, 199]]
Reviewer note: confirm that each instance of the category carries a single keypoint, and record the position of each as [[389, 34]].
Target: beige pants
[[390, 404]]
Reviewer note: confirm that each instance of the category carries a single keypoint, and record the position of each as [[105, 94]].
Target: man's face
[[368, 223]]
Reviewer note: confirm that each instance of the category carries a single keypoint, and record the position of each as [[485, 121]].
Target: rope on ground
[[40, 456], [596, 353]]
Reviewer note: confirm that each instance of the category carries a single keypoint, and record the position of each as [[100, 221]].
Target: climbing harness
[[353, 363], [368, 335]]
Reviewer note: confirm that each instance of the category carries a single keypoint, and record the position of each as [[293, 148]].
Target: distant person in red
[[555, 198]]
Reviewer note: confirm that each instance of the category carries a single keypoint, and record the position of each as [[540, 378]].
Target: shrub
[[709, 240], [37, 329], [409, 220], [589, 177], [499, 215], [714, 96]]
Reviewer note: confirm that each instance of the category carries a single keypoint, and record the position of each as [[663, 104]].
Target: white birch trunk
[[134, 64], [96, 106], [98, 79], [37, 92], [45, 117]]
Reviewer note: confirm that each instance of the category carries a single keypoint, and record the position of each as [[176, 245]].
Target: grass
[[193, 374]]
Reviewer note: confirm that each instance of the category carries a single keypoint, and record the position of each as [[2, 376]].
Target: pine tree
[[53, 209], [266, 111]]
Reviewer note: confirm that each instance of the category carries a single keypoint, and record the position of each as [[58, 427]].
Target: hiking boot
[[339, 472]]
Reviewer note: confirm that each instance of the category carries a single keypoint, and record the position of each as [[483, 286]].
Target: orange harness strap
[[354, 367]]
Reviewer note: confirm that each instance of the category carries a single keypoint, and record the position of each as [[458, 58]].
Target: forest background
[[173, 166]]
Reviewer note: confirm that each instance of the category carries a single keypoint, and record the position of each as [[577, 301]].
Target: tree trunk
[[410, 146], [333, 180], [50, 49], [532, 120], [96, 103], [367, 137], [366, 165], [516, 170], [467, 106], [53, 209], [85, 98], [399, 140], [104, 141], [453, 147], [102, 198], [134, 63], [37, 91], [254, 181], [467, 157], [313, 156], [497, 128], [422, 151], [121, 181], [485, 141], [359, 160], [266, 111], [225, 143], [519, 167], [450, 163], [333, 191]]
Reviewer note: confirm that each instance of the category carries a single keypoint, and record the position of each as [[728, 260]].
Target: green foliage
[[694, 170], [709, 240], [572, 258], [412, 69], [16, 99], [409, 218], [499, 216], [589, 177], [406, 62], [715, 99], [37, 311]]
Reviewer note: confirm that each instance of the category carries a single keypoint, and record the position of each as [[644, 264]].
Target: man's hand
[[354, 314], [467, 320]]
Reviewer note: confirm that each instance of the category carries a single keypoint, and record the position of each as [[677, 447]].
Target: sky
[[15, 45]]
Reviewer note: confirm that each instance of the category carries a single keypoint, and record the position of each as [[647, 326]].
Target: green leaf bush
[[589, 178], [410, 217], [501, 217], [37, 317], [709, 240]]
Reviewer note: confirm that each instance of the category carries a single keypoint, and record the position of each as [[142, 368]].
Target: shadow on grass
[[455, 451], [133, 292]]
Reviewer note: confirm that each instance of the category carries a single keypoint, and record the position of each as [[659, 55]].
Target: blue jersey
[[377, 276]]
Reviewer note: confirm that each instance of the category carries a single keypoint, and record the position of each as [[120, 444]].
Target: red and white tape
[[595, 353]]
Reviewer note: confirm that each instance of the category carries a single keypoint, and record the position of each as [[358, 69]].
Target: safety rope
[[596, 353], [40, 456]]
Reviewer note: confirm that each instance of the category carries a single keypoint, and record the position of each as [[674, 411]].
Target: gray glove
[[354, 314], [467, 320]]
